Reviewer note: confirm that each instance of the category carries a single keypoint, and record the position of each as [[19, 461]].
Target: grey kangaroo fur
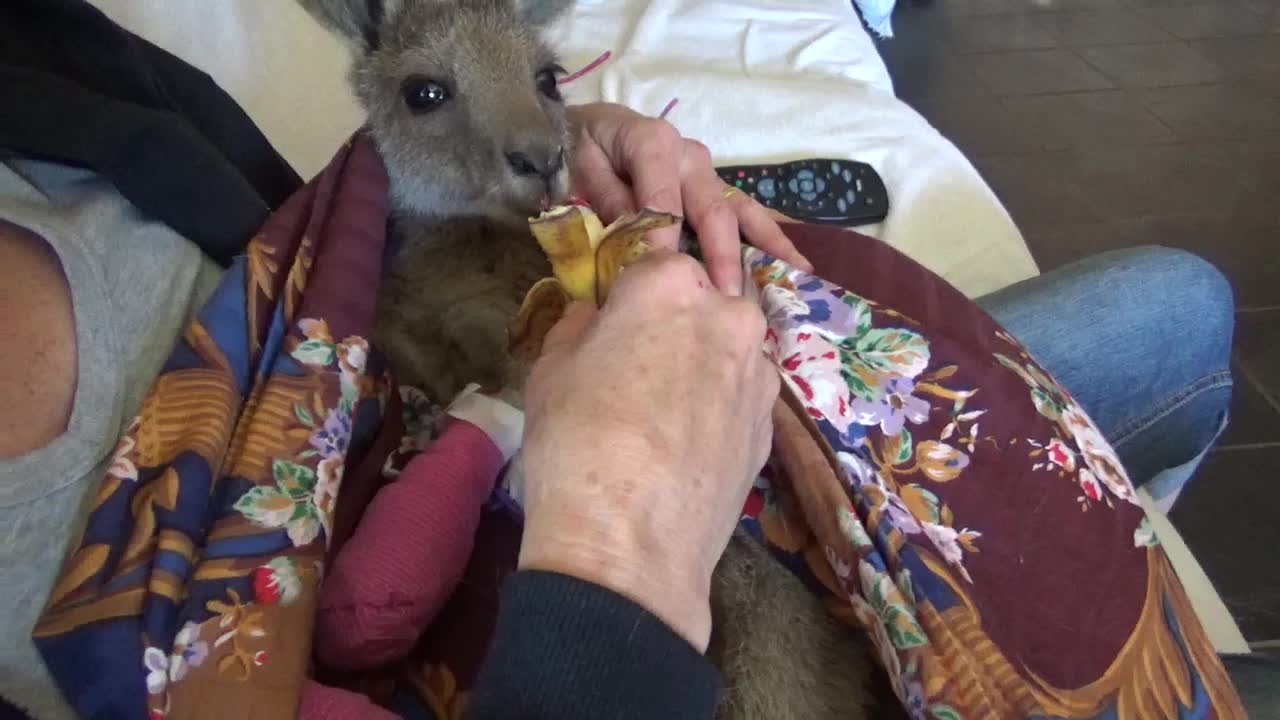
[[475, 141]]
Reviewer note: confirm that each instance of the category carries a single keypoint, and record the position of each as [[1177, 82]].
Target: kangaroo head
[[462, 101]]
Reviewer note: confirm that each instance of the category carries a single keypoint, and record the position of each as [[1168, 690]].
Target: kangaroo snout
[[540, 158]]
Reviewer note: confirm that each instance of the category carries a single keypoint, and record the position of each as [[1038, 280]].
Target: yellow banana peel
[[569, 235], [586, 259], [623, 243], [542, 308]]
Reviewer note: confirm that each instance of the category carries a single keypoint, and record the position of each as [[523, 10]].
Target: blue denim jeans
[[1142, 339]]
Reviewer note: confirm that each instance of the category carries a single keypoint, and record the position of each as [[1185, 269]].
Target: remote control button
[[742, 173], [751, 181], [768, 187], [809, 196], [841, 205], [848, 176], [835, 167], [859, 185], [820, 184], [849, 196], [792, 186]]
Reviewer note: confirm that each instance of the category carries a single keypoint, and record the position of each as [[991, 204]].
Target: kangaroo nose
[[541, 161]]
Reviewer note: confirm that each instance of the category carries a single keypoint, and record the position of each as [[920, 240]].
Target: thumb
[[565, 333]]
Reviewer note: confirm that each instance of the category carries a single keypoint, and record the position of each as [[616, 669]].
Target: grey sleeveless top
[[134, 284]]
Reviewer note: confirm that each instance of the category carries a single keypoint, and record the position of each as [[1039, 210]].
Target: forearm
[[564, 648]]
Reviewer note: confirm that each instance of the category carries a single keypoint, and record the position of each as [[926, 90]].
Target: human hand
[[624, 161], [646, 422]]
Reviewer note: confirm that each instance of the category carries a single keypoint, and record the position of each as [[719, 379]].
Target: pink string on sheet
[[602, 59]]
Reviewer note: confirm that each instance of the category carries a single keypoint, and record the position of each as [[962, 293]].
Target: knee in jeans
[[1205, 301]]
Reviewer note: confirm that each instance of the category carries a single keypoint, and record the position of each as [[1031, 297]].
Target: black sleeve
[[564, 648]]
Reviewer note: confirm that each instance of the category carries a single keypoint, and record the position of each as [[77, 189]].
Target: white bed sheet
[[758, 80]]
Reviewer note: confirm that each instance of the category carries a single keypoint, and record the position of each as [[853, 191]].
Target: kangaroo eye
[[423, 94], [547, 83]]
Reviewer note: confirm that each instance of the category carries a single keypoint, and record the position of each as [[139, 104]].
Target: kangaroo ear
[[541, 13], [359, 22]]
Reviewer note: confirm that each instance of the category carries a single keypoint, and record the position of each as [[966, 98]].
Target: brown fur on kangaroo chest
[[445, 304]]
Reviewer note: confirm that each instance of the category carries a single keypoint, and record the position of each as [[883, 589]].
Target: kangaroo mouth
[[552, 194], [534, 197]]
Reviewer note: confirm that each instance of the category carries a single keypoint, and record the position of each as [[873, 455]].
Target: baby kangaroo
[[463, 104], [464, 108]]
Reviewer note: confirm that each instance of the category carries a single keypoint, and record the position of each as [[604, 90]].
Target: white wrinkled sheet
[[758, 80]]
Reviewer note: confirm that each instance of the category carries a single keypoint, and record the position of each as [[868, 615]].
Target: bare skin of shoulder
[[39, 351]]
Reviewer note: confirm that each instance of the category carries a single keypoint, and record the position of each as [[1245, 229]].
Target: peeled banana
[[586, 259]]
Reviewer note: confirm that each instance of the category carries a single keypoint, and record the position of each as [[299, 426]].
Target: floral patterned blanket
[[930, 479]]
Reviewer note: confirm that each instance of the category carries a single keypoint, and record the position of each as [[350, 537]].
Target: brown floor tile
[[1218, 110], [1059, 6], [1258, 345], [930, 72], [1035, 191], [980, 7], [1254, 419], [1206, 21], [1152, 65], [1227, 516], [1135, 182], [968, 8], [998, 32], [935, 79], [1169, 3], [1104, 27], [1258, 159], [1236, 247], [1271, 18], [1242, 56], [1056, 244], [978, 125], [1037, 71], [1103, 117], [1265, 85]]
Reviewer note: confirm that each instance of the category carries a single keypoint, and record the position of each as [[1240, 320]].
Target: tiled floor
[[1110, 123]]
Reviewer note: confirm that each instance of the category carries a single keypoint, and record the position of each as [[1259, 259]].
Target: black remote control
[[821, 191]]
